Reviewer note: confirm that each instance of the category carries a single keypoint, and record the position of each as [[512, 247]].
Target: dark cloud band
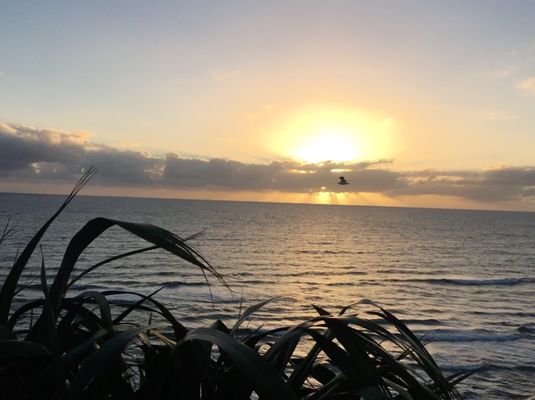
[[31, 155]]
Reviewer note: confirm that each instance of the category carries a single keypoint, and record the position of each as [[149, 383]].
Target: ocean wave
[[488, 367], [314, 251], [529, 329], [505, 367], [181, 284], [477, 335], [424, 321], [468, 282], [490, 282], [84, 287]]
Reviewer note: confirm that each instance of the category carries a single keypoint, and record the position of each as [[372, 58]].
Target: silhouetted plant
[[89, 347]]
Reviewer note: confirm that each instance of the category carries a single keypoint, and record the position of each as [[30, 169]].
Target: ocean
[[464, 280]]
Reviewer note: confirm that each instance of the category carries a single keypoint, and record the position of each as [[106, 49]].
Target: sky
[[416, 103]]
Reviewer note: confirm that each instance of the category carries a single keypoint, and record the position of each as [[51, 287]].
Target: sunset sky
[[416, 103]]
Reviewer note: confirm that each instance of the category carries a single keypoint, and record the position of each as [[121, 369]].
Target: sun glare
[[325, 147], [317, 134]]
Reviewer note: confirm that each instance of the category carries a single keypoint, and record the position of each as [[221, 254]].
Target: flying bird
[[343, 181]]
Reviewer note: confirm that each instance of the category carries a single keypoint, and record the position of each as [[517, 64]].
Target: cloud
[[31, 155], [493, 185], [21, 146], [527, 85], [288, 176]]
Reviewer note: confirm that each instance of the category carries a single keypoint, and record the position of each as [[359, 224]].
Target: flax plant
[[88, 346]]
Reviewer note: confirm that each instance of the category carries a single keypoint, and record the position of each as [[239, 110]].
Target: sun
[[328, 146], [320, 133]]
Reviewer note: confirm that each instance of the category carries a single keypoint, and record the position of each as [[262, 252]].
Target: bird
[[343, 181]]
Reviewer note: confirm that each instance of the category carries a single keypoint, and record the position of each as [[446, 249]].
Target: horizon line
[[273, 202]]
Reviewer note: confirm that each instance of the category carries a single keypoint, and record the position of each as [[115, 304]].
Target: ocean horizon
[[270, 202]]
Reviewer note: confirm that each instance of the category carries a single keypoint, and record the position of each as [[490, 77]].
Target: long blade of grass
[[103, 304], [351, 340], [461, 376], [31, 305], [321, 311], [178, 328], [80, 351], [398, 388], [248, 312], [73, 308], [44, 285], [413, 386], [423, 357], [94, 228], [292, 334], [48, 313], [301, 371], [109, 260], [340, 358], [135, 306], [100, 362], [258, 373], [324, 391], [6, 232], [10, 284], [252, 339]]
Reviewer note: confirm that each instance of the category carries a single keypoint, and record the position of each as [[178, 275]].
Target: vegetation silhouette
[[89, 346]]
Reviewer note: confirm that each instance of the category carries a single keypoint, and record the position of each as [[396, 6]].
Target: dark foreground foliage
[[89, 346]]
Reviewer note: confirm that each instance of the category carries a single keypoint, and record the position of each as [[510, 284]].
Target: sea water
[[464, 280]]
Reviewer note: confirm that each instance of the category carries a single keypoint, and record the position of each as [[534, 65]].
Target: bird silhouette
[[343, 181]]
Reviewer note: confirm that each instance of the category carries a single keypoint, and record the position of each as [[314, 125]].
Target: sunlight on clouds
[[42, 160], [527, 85], [318, 133], [349, 198], [326, 197]]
